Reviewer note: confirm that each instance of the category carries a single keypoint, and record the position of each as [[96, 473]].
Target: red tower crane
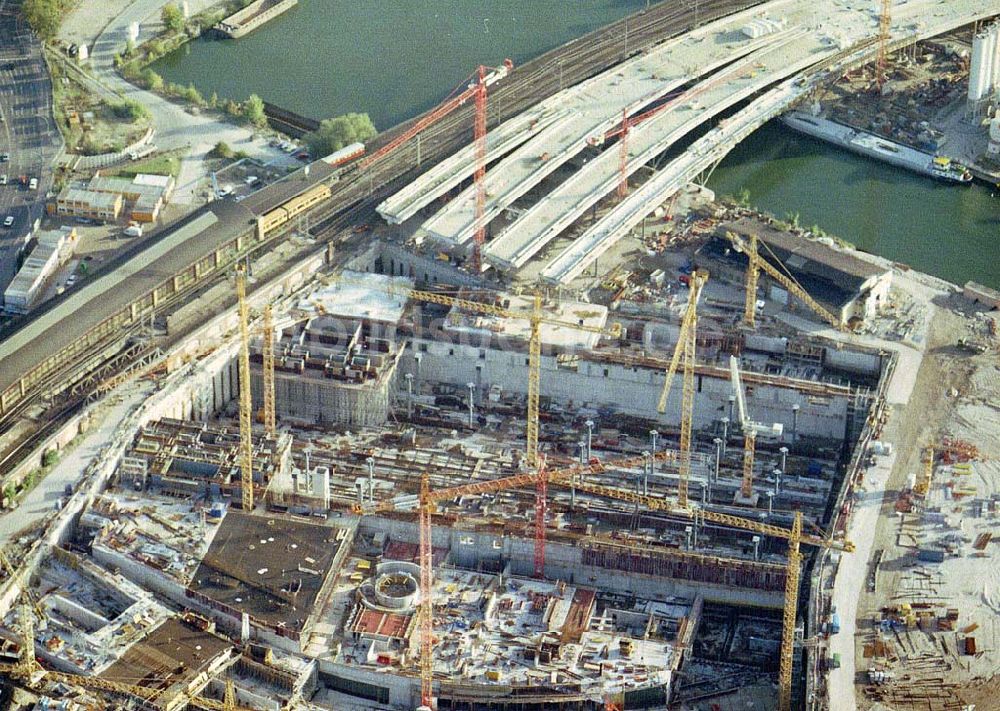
[[476, 88]]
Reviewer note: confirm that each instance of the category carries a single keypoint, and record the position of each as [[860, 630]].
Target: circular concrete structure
[[396, 590]]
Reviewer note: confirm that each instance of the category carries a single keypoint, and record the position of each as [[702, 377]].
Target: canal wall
[[253, 16]]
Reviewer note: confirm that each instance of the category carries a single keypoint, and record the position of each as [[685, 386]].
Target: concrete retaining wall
[[632, 390]]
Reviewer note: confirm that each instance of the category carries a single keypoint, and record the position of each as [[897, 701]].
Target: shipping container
[[930, 555]]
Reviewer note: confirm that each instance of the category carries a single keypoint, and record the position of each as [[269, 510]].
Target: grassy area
[[168, 163], [103, 130]]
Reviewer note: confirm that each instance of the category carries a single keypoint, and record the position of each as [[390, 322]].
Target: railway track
[[354, 198], [534, 81]]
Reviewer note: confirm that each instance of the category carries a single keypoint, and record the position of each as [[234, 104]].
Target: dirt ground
[[956, 394]]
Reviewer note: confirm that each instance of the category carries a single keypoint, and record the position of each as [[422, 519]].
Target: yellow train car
[[300, 203]]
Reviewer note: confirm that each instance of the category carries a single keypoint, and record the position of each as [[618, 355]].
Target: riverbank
[[940, 229]]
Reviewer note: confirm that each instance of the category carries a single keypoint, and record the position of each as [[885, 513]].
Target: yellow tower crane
[[685, 349], [267, 351], [229, 700], [246, 406], [29, 672], [425, 504], [795, 538], [535, 318], [749, 247], [571, 476]]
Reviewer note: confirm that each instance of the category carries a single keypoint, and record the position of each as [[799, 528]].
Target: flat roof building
[[90, 204], [26, 289], [979, 294], [147, 193]]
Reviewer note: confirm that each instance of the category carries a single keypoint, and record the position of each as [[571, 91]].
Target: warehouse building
[[89, 204], [28, 286], [145, 194], [848, 286]]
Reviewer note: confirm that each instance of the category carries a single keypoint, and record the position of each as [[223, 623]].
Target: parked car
[[3, 179], [8, 221]]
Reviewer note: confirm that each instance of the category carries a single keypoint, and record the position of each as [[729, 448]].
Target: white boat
[[872, 146]]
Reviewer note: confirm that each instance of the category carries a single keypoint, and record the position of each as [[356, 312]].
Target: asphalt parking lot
[[29, 138]]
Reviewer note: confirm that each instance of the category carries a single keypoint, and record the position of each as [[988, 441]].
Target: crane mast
[[749, 431], [685, 351], [479, 136], [268, 356], [788, 616], [884, 25], [246, 432], [426, 599]]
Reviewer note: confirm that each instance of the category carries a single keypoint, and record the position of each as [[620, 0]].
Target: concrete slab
[[596, 106]]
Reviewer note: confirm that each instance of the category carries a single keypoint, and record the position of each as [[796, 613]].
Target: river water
[[398, 58], [391, 59]]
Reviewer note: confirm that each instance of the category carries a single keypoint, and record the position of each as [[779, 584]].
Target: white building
[[993, 147], [53, 249], [984, 69]]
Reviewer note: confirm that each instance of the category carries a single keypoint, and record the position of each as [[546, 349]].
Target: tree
[[129, 109], [152, 80], [253, 111], [172, 17], [44, 16], [193, 95], [335, 133], [214, 100], [222, 150]]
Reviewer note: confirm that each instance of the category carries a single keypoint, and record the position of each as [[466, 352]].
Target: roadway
[[915, 16], [50, 353], [177, 127], [593, 108], [27, 133]]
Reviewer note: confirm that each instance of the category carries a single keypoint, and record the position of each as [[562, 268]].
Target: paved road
[[176, 126], [43, 499], [27, 133]]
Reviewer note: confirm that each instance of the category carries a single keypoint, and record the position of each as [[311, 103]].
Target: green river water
[[396, 58]]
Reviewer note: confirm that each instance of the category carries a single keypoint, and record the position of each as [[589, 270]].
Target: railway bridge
[[690, 61], [728, 77], [50, 350]]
